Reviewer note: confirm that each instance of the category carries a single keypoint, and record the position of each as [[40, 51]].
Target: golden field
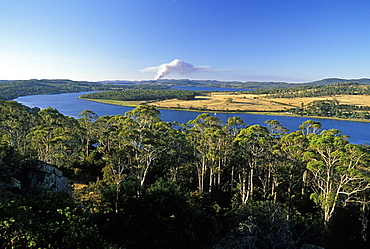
[[242, 102], [254, 102]]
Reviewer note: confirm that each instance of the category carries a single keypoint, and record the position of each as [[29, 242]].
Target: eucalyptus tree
[[232, 129], [114, 178], [134, 146], [16, 121], [293, 172], [220, 149], [176, 161], [310, 127], [88, 131], [338, 170], [147, 137], [363, 202], [112, 144], [106, 133], [251, 143], [275, 128], [204, 134], [55, 140], [117, 161], [127, 143], [269, 174]]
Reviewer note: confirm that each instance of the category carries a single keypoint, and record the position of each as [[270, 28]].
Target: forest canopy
[[147, 94], [203, 184]]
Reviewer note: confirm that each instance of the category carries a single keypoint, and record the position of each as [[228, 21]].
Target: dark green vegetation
[[47, 220], [13, 89], [326, 108], [203, 184], [254, 85], [322, 108], [348, 88], [332, 108], [135, 95]]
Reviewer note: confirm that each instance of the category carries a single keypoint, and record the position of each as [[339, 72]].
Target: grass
[[254, 102], [117, 102], [251, 103]]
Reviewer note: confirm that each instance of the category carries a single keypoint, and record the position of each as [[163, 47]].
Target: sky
[[229, 40]]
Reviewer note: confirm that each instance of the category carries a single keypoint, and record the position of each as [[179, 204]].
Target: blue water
[[69, 104]]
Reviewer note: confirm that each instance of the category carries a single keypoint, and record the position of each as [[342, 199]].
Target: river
[[69, 105]]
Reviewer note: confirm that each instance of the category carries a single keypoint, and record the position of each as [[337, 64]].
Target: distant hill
[[13, 89], [255, 85], [16, 88], [330, 81]]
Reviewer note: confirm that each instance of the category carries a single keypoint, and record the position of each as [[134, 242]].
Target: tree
[[16, 121], [163, 216], [51, 220], [293, 168], [176, 161], [87, 120], [204, 134], [275, 128], [310, 127], [232, 129], [55, 140], [260, 225], [252, 146], [338, 171], [146, 138]]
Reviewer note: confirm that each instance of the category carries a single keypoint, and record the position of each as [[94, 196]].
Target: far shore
[[271, 113]]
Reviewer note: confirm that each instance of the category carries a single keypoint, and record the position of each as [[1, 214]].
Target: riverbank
[[117, 102], [68, 104]]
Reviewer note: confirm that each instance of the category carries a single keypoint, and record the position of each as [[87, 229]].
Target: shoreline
[[267, 113]]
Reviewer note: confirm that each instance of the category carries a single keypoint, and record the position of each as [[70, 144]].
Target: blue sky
[[244, 40]]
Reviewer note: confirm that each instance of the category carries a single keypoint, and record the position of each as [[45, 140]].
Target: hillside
[[255, 85], [12, 89]]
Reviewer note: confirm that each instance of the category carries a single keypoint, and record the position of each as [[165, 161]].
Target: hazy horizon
[[169, 79]]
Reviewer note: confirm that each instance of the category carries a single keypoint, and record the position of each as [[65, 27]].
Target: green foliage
[[8, 158], [14, 89], [46, 221], [262, 225], [348, 88], [329, 107], [135, 95], [172, 183], [164, 217]]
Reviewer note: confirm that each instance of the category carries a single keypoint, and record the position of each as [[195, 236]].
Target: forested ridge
[[13, 89], [348, 88], [255, 85], [144, 94], [204, 184]]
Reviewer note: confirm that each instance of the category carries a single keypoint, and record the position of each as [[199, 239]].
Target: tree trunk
[[364, 220], [211, 180], [232, 180]]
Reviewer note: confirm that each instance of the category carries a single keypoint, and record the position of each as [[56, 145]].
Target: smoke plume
[[175, 66]]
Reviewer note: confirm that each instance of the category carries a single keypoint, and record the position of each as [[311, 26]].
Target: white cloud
[[175, 66]]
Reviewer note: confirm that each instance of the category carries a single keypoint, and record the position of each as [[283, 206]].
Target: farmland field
[[254, 102]]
